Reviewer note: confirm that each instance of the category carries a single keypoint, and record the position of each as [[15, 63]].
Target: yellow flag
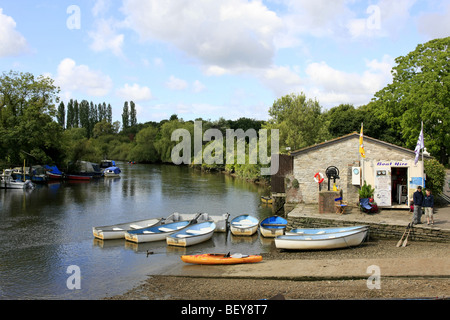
[[361, 144]]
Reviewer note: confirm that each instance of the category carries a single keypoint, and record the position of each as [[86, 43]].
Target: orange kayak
[[213, 258]]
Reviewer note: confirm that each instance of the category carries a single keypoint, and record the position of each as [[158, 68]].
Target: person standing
[[418, 202], [428, 204]]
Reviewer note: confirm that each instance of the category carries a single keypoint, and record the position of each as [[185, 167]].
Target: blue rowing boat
[[273, 226]]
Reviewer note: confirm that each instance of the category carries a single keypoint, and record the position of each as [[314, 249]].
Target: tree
[[84, 116], [61, 115], [125, 116], [26, 112], [420, 92], [144, 150], [133, 117], [70, 114], [298, 120], [435, 173], [76, 114], [109, 114]]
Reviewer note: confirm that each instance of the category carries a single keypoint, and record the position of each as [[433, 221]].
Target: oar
[[399, 243], [406, 240]]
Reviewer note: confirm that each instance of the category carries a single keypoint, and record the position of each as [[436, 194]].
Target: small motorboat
[[117, 231], [53, 172], [244, 225], [8, 182], [156, 233], [112, 172], [318, 231], [193, 234], [322, 241], [273, 226], [214, 258]]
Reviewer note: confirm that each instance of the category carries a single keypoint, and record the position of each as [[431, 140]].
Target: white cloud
[[105, 38], [198, 87], [80, 78], [333, 87], [228, 35], [100, 6], [176, 84], [134, 92], [12, 42], [435, 25], [281, 79]]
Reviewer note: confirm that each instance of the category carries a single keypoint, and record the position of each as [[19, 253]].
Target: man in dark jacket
[[418, 202], [428, 204]]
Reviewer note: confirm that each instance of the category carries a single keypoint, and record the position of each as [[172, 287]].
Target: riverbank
[[420, 270]]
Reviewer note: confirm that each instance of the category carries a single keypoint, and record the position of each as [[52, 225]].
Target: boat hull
[[221, 221], [192, 235], [318, 231], [321, 242], [157, 233], [244, 225], [219, 259], [267, 200], [272, 227], [118, 231]]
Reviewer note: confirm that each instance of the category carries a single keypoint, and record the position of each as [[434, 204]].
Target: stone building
[[388, 168]]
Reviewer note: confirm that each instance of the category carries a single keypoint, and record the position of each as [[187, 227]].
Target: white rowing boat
[[322, 241], [156, 233], [221, 221], [117, 231], [244, 225], [193, 234], [318, 231]]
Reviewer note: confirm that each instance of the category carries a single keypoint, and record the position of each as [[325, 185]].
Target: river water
[[46, 231]]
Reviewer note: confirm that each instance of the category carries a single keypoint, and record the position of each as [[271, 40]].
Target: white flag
[[420, 145]]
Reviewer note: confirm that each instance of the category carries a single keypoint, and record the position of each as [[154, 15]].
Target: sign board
[[383, 187]]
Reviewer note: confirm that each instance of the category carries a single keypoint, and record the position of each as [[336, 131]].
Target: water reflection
[[45, 230]]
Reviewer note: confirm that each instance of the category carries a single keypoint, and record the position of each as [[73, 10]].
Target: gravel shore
[[160, 287]]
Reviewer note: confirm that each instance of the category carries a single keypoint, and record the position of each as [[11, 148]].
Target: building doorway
[[399, 183]]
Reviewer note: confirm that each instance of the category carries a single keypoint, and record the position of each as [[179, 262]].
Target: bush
[[435, 173], [366, 191]]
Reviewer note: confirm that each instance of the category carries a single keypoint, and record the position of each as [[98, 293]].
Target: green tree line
[[32, 128]]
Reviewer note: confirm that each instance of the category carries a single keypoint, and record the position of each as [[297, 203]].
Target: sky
[[210, 59]]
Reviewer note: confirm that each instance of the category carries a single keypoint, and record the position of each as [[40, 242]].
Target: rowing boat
[[311, 231], [117, 231], [221, 221], [156, 233], [322, 241], [214, 258], [244, 225], [272, 226], [193, 234], [267, 200]]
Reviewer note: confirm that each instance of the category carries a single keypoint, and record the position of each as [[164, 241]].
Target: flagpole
[[423, 164], [362, 160]]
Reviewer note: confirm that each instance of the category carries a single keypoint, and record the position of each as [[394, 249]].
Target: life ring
[[318, 177]]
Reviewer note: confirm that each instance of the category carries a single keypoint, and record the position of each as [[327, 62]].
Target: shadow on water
[[47, 230]]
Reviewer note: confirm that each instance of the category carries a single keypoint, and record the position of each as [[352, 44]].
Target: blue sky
[[211, 59]]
